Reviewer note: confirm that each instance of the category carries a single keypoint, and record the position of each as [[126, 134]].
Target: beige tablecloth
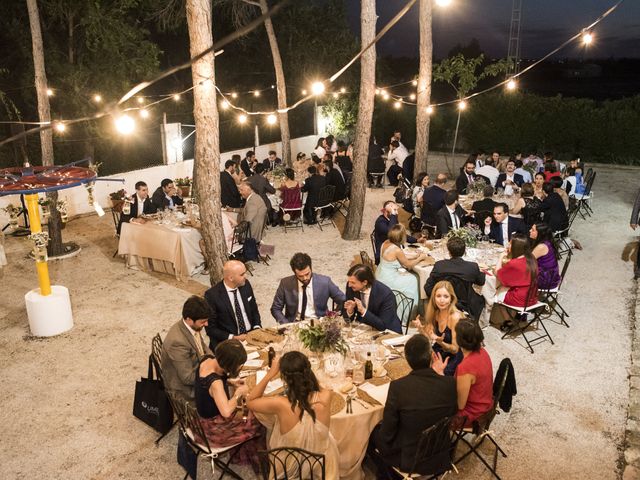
[[161, 248]]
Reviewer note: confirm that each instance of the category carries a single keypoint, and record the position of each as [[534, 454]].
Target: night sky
[[545, 25]]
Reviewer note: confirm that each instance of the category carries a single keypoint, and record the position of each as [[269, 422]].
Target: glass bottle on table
[[368, 367]]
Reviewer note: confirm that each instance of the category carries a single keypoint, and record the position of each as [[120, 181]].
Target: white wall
[[77, 197]]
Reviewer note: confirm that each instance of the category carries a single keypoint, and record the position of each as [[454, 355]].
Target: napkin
[[273, 385], [253, 355], [254, 363], [378, 392], [394, 342]]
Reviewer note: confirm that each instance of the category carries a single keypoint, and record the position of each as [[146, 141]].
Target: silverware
[[361, 402]]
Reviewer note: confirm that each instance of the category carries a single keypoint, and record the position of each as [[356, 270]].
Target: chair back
[[115, 215], [565, 267], [589, 184], [289, 463], [291, 198], [405, 307], [587, 175], [366, 260], [462, 290], [373, 243], [193, 429], [325, 196], [436, 446], [156, 353], [240, 235]]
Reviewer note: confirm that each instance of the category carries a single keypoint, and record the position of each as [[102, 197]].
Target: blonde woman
[[441, 319]]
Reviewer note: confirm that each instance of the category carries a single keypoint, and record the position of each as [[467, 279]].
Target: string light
[[60, 127], [224, 105], [429, 110], [144, 113], [176, 97], [49, 92], [385, 96], [443, 3], [272, 119], [256, 93], [317, 88], [377, 91], [462, 105], [511, 84], [242, 118], [234, 95], [304, 91], [140, 100], [343, 90], [397, 104], [125, 124], [336, 95], [97, 98], [414, 83], [412, 96], [587, 38]]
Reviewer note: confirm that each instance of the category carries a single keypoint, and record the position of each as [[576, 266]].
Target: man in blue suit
[[370, 301], [304, 294], [503, 226], [384, 223]]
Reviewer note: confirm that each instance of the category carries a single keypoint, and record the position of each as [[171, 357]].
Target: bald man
[[433, 199], [234, 311]]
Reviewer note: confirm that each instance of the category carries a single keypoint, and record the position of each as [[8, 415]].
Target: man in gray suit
[[183, 347], [254, 211], [304, 294], [635, 219]]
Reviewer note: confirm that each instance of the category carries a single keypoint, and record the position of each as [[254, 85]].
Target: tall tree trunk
[[363, 126], [281, 86], [207, 147], [424, 88], [46, 136]]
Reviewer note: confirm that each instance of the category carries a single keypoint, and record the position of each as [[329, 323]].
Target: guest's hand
[[349, 306], [275, 367], [487, 221], [138, 220], [437, 364], [360, 306], [417, 323], [240, 338], [241, 391], [634, 226]]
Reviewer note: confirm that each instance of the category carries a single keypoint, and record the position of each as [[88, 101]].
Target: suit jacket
[[381, 233], [434, 197], [443, 219], [514, 225], [517, 179], [414, 403], [161, 201], [287, 297], [375, 162], [381, 311], [229, 193], [335, 178], [554, 212], [484, 205], [269, 166], [179, 361], [222, 321], [254, 212], [312, 186], [261, 186], [345, 163], [462, 182], [147, 208], [246, 168]]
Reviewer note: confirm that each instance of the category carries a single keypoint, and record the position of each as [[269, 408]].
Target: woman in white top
[[302, 417], [418, 191], [321, 148]]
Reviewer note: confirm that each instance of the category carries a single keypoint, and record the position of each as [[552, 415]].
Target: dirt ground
[[66, 401]]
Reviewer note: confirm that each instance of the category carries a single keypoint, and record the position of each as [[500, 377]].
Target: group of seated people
[[166, 196], [399, 161]]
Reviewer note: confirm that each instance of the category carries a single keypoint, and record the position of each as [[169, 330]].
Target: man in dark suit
[[234, 310], [140, 204], [369, 301], [312, 185], [166, 195], [384, 223], [414, 403], [433, 199], [272, 161], [248, 163], [183, 347], [229, 193], [261, 185], [503, 225], [343, 160], [510, 178], [462, 274], [375, 163], [335, 177], [467, 177], [484, 208], [451, 216], [304, 294]]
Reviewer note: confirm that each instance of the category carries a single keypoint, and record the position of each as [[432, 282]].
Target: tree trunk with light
[[206, 163], [55, 247], [363, 126], [283, 117], [424, 88]]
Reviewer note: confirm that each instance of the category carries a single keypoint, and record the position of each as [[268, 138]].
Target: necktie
[[365, 299], [198, 338], [303, 308], [470, 179], [236, 305]]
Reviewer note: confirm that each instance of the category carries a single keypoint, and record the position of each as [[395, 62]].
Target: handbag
[[151, 403]]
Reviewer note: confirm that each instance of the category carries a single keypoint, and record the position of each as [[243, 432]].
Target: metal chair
[[373, 244], [288, 463], [550, 297], [240, 235], [156, 357], [377, 180], [405, 307], [584, 209], [366, 260], [325, 200], [292, 217], [116, 215], [535, 311], [481, 429]]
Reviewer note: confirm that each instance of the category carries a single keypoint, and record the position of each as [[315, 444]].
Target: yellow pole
[[36, 227]]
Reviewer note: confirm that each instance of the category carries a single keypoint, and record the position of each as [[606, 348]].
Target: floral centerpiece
[[14, 213], [469, 234], [477, 187], [117, 199], [324, 336], [184, 184]]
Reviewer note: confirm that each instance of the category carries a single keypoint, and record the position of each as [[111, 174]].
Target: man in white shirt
[[139, 205], [395, 160], [520, 170], [503, 226], [489, 171]]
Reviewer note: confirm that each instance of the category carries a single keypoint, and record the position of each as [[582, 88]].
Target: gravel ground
[[71, 396]]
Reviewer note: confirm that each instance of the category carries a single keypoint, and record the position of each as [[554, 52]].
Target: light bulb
[[336, 95], [272, 119], [462, 105], [125, 124], [397, 104], [144, 113], [61, 127], [224, 105], [256, 93], [242, 118], [317, 88], [414, 83], [511, 84], [587, 38], [97, 98], [412, 96], [443, 3], [141, 100], [429, 110], [385, 96], [49, 92], [176, 97], [304, 92], [234, 95], [343, 90]]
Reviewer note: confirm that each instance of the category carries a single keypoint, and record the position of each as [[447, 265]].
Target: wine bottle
[[271, 353], [368, 367]]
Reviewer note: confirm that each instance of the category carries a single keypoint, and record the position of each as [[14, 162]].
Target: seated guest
[[272, 161], [433, 200], [484, 208], [321, 148], [334, 177], [369, 301], [452, 216], [229, 194], [523, 172], [414, 403], [503, 226], [395, 160], [546, 253], [248, 163], [343, 160], [301, 418], [304, 294], [510, 179], [538, 182], [140, 205], [236, 173], [554, 213], [234, 310], [290, 191], [550, 171], [467, 177], [384, 223], [528, 205], [467, 274], [183, 347], [375, 163], [392, 257], [408, 166], [417, 193], [254, 211], [489, 171], [441, 319], [474, 375], [261, 185], [166, 195], [557, 187], [221, 420], [312, 185]]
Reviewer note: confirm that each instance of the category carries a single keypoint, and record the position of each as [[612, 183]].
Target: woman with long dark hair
[[302, 417], [545, 251]]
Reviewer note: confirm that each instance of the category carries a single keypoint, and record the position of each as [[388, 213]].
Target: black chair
[[480, 429], [373, 243], [405, 307], [240, 235], [325, 204], [550, 297], [535, 312], [288, 463], [115, 215], [366, 260], [584, 209], [156, 357]]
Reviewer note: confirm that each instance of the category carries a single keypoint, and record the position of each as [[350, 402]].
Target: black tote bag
[[151, 403]]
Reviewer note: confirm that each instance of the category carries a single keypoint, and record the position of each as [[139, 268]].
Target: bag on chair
[[151, 403]]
